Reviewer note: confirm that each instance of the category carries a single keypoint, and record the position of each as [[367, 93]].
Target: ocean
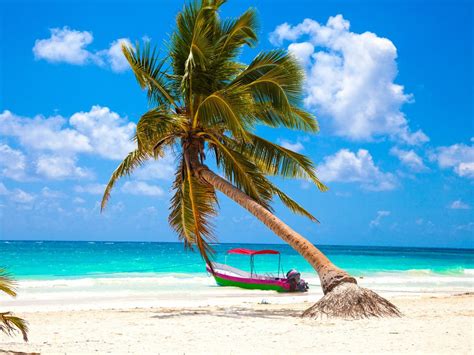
[[49, 260], [144, 272]]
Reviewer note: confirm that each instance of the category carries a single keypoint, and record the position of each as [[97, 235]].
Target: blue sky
[[391, 84]]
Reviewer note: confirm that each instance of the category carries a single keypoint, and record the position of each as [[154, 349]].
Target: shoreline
[[431, 324], [196, 290]]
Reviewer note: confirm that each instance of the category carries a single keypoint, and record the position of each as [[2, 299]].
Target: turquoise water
[[49, 260]]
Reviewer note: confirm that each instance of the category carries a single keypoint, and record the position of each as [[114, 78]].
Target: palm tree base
[[349, 301]]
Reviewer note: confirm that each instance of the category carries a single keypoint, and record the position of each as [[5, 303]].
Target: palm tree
[[207, 104], [10, 324]]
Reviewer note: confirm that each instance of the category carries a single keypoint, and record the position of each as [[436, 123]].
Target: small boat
[[226, 275]]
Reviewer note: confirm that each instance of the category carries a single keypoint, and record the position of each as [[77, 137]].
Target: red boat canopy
[[251, 252]]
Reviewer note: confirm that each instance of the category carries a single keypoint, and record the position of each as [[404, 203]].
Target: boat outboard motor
[[296, 282]]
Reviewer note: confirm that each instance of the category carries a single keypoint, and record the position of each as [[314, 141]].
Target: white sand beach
[[432, 324]]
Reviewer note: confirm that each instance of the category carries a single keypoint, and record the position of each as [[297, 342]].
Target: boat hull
[[228, 276], [250, 284]]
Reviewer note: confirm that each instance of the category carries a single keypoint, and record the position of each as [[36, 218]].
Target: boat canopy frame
[[252, 253]]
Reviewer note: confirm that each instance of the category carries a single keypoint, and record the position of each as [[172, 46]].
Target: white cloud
[[114, 56], [54, 144], [44, 133], [58, 167], [350, 79], [21, 196], [409, 158], [303, 51], [469, 227], [16, 195], [108, 134], [3, 189], [459, 205], [78, 200], [12, 163], [100, 131], [52, 194], [294, 146], [65, 45], [162, 169], [141, 188], [70, 46], [459, 157], [376, 221], [346, 166], [93, 189]]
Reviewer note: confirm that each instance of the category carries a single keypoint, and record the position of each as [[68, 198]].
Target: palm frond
[[157, 124], [226, 107], [192, 207], [192, 46], [292, 204], [132, 161], [298, 119], [7, 284], [238, 32], [276, 160], [274, 78], [148, 70], [239, 170], [10, 324]]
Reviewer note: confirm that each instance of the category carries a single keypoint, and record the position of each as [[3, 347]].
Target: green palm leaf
[[7, 284], [192, 207], [292, 204], [132, 161], [148, 71], [276, 160], [241, 171], [156, 126], [227, 108], [10, 324]]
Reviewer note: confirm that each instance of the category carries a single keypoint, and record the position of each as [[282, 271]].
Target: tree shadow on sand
[[232, 312]]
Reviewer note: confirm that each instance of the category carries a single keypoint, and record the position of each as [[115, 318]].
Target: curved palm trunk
[[342, 295]]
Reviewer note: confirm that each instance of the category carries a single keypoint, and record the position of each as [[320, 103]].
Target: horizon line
[[177, 242]]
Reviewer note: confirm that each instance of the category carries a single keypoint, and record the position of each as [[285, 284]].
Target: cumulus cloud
[[58, 167], [114, 56], [376, 221], [294, 146], [350, 79], [459, 157], [108, 134], [409, 158], [12, 163], [67, 45], [46, 192], [349, 167], [141, 188], [468, 227], [459, 205], [93, 189], [162, 169], [43, 133], [55, 142], [21, 196], [78, 200], [64, 45]]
